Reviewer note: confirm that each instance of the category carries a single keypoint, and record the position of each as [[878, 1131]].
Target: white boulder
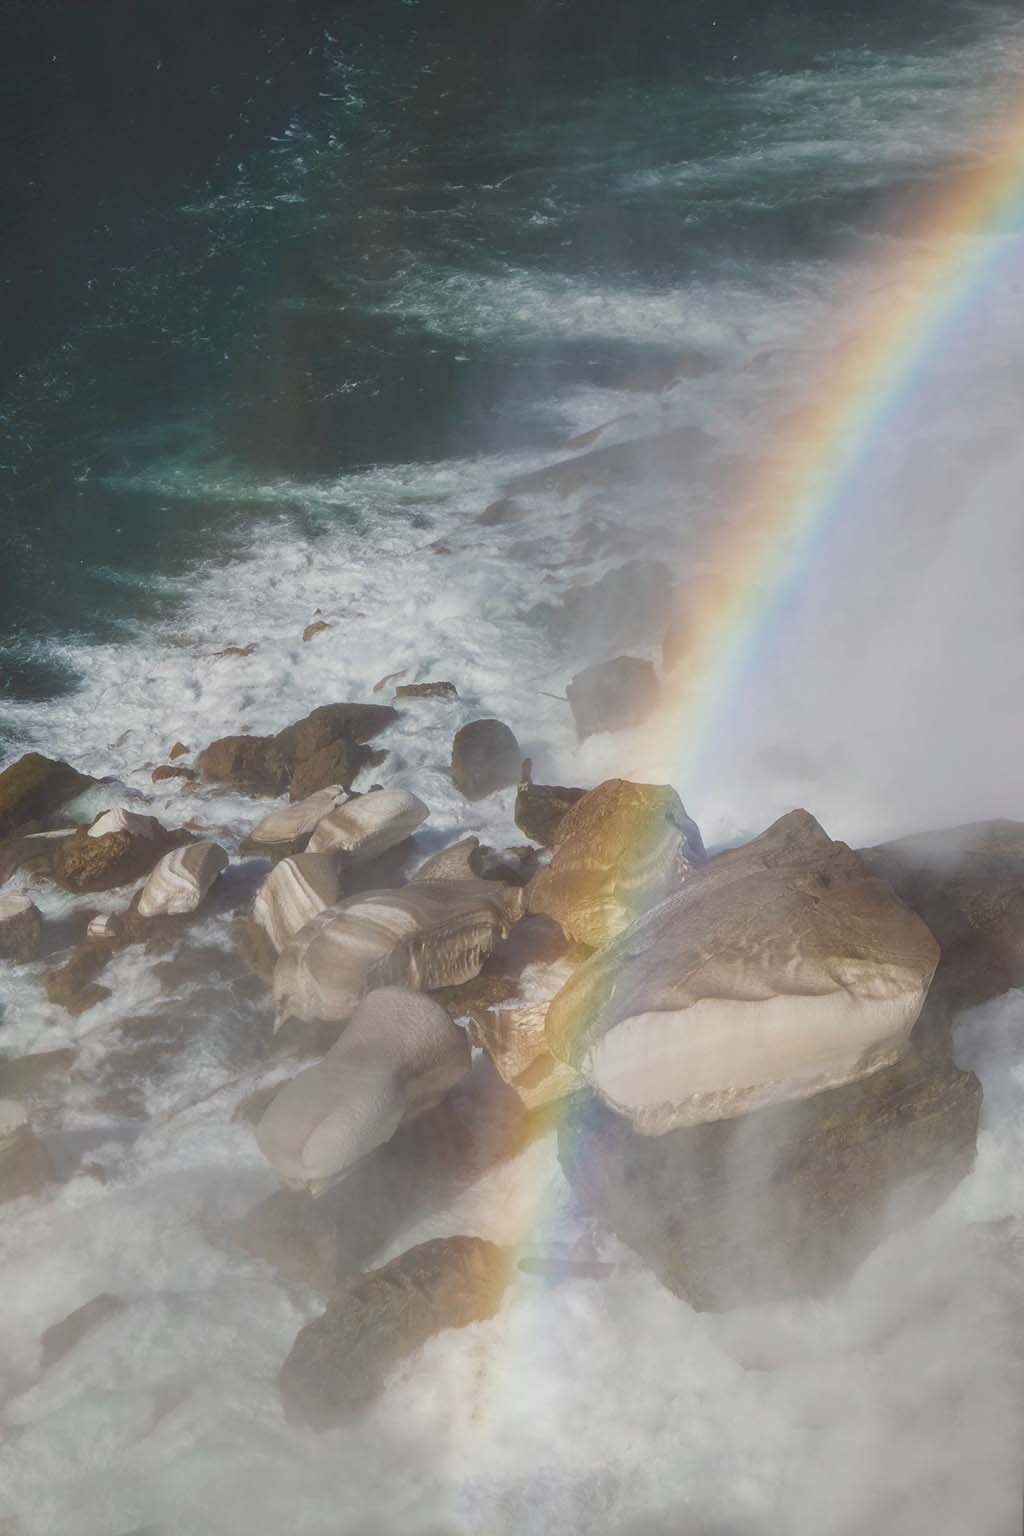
[[369, 825], [294, 892], [120, 820], [288, 827], [399, 1055], [179, 883]]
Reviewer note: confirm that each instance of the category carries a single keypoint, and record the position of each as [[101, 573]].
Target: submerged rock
[[295, 891], [180, 882], [25, 1166], [62, 1338], [612, 695], [34, 787], [780, 969], [288, 831], [785, 1201], [399, 1056], [339, 1363], [622, 848], [541, 808], [485, 758], [426, 935], [21, 928], [364, 828]]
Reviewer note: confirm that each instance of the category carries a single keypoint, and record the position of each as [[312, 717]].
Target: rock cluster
[[328, 744]]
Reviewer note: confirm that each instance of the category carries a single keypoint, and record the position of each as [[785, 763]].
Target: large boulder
[[295, 891], [485, 758], [267, 764], [288, 831], [25, 1166], [612, 695], [368, 826], [34, 787], [426, 935], [785, 1201], [541, 808], [619, 850], [339, 1363], [21, 928], [339, 762], [180, 882], [967, 883], [117, 849], [399, 1056], [779, 970]]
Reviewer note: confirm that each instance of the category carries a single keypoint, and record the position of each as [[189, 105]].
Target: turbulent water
[[292, 293]]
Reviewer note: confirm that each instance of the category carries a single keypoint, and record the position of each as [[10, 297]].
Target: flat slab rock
[[784, 1202], [339, 1363]]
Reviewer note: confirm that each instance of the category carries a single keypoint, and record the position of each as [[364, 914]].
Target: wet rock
[[429, 934], [364, 828], [256, 949], [967, 883], [242, 762], [35, 853], [62, 1338], [339, 1363], [485, 758], [21, 929], [168, 771], [295, 891], [621, 849], [104, 927], [459, 861], [541, 808], [25, 1166], [626, 607], [648, 459], [181, 880], [26, 1077], [389, 677], [505, 510], [97, 859], [510, 866], [509, 1026], [120, 820], [779, 970], [34, 787], [72, 985], [316, 628], [178, 750], [283, 833], [267, 764], [340, 762], [398, 1057], [612, 695], [787, 1200], [427, 691]]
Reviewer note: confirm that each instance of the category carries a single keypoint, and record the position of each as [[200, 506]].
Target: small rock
[[316, 628], [389, 677], [61, 1339], [104, 926], [236, 650], [166, 771], [178, 750], [339, 1363], [612, 695], [540, 808], [180, 882], [364, 828], [21, 929], [485, 757], [427, 691], [25, 1166], [34, 787], [398, 1056]]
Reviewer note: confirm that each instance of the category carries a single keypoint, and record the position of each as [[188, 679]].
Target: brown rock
[[785, 1201], [35, 853], [34, 787], [339, 762], [71, 986], [266, 764], [540, 808], [236, 650], [612, 695], [427, 691], [485, 758], [83, 863], [389, 677], [316, 628], [21, 929], [178, 750], [166, 771], [62, 1338], [339, 1363], [25, 1166]]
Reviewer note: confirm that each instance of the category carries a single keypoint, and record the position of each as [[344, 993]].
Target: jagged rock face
[[459, 861], [25, 1165], [967, 883], [180, 882], [340, 1362], [398, 1056], [612, 695], [365, 828], [622, 848], [288, 831], [267, 764], [485, 758], [294, 892], [424, 936], [785, 1201], [779, 970], [541, 809], [100, 860], [34, 787], [21, 928], [339, 762]]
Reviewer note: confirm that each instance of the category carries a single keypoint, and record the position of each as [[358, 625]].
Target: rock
[[540, 808], [510, 1028], [504, 510], [120, 820], [646, 459], [364, 828], [71, 985], [36, 853], [167, 771], [62, 1338], [25, 1166], [779, 970], [459, 861], [427, 691], [357, 722], [104, 926], [612, 695], [267, 764], [100, 860], [316, 628], [510, 866], [967, 883], [256, 949], [628, 606], [25, 1077], [389, 677], [34, 787], [785, 1201], [427, 935], [339, 1363], [178, 750], [180, 882], [399, 1056], [286, 832], [485, 758], [339, 762], [294, 892], [622, 848], [242, 762], [21, 929]]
